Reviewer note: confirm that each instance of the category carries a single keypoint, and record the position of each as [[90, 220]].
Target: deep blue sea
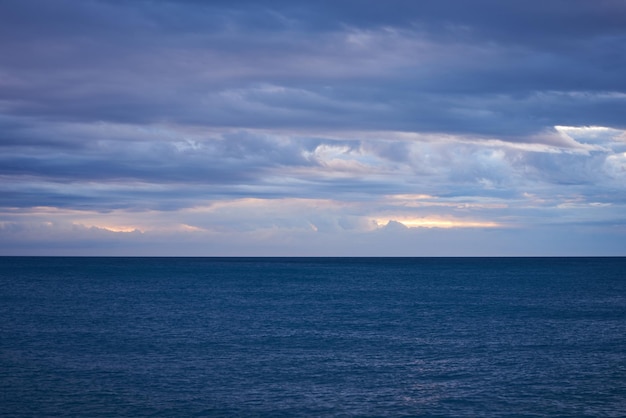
[[281, 337]]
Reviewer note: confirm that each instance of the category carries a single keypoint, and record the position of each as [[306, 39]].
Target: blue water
[[312, 337]]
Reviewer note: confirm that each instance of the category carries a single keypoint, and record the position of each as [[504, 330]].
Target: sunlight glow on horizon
[[434, 222]]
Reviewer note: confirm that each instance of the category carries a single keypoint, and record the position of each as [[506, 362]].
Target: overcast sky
[[313, 128]]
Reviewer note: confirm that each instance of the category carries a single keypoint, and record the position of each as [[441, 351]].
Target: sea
[[312, 337]]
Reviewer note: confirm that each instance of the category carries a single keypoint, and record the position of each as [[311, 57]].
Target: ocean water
[[312, 337]]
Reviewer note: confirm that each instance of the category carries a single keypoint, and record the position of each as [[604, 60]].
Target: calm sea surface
[[312, 337]]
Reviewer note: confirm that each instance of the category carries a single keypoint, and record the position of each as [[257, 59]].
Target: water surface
[[312, 337]]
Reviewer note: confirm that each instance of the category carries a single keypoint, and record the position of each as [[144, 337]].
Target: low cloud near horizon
[[329, 128]]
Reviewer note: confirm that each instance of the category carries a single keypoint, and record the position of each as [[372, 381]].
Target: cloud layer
[[313, 128]]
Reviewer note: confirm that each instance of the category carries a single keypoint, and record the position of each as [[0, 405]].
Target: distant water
[[312, 337]]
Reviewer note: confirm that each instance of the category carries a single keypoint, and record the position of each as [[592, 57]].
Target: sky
[[313, 128]]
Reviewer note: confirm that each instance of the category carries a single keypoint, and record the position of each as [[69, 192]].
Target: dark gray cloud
[[413, 66]]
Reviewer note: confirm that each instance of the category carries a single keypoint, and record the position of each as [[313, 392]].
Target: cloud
[[275, 65], [162, 166], [279, 121], [71, 239]]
